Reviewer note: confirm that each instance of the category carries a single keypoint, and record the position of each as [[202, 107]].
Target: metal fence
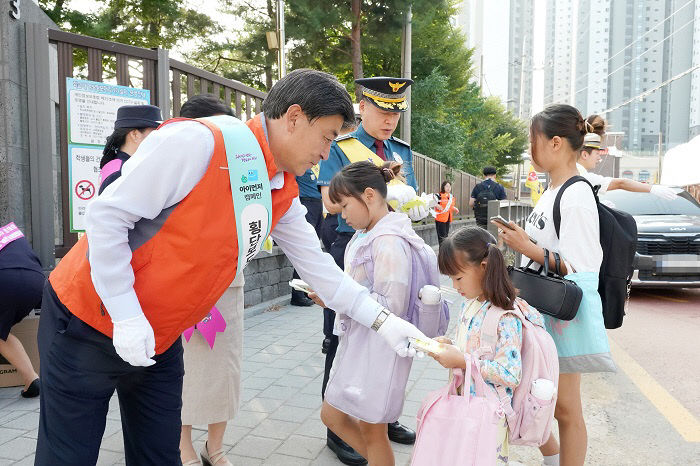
[[171, 82], [430, 174], [511, 210]]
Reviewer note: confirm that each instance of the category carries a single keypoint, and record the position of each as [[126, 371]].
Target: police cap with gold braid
[[386, 93]]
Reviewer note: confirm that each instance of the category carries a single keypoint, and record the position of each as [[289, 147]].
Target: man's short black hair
[[318, 94], [204, 105], [488, 171]]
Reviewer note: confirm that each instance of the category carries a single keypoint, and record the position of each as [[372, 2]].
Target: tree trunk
[[355, 36]]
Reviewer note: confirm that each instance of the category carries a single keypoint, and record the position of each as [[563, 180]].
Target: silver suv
[[668, 237]]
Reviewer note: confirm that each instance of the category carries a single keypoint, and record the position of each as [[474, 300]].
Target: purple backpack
[[431, 319]]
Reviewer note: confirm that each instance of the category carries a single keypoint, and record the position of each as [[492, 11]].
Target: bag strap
[[556, 210]]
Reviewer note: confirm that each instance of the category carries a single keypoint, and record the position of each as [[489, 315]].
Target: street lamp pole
[[405, 129], [282, 59]]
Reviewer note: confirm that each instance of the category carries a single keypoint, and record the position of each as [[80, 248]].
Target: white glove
[[134, 341], [664, 192], [417, 213], [396, 331], [401, 193]]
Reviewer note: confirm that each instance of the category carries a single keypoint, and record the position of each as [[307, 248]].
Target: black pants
[[80, 370], [443, 229], [337, 250], [328, 231], [314, 215]]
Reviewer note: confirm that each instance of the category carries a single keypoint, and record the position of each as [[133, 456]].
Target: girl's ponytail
[[497, 286]]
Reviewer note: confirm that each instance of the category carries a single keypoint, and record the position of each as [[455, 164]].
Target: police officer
[[310, 198], [383, 101]]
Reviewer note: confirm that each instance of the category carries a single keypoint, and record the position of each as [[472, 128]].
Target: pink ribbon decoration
[[209, 326]]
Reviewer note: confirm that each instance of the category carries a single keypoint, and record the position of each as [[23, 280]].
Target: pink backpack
[[529, 418], [458, 429]]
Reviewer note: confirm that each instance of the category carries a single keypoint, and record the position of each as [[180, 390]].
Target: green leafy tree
[[151, 23]]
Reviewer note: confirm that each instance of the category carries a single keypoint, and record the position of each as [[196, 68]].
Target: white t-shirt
[[578, 243], [595, 179]]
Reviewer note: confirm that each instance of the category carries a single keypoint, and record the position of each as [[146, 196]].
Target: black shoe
[[401, 434], [325, 346], [343, 451], [31, 391], [300, 299]]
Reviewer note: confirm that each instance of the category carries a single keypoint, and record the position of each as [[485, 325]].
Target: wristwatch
[[381, 317]]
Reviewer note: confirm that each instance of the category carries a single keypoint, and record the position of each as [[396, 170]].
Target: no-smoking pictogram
[[85, 190]]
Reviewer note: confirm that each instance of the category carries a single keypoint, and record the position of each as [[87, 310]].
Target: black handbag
[[549, 293]]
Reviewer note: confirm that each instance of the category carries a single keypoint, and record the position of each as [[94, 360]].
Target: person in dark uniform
[[21, 287], [487, 190], [383, 101], [133, 124], [310, 198]]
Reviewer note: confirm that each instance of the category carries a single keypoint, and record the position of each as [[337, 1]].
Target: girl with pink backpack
[[367, 382], [500, 344]]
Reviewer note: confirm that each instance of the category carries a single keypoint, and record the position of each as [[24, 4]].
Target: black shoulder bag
[[548, 292]]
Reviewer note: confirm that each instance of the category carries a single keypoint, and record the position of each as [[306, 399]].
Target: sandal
[[192, 463], [215, 458], [32, 391]]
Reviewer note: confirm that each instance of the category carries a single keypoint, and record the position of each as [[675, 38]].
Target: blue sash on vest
[[252, 204]]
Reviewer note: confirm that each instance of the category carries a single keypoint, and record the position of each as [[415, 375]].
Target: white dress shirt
[[164, 169]]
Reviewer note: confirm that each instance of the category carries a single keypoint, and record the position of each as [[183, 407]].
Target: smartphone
[[300, 285], [426, 346], [502, 221]]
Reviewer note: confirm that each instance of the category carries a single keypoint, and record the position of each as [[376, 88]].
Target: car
[[668, 237]]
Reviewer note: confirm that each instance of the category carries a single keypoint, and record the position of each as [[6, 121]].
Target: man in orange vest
[[193, 206]]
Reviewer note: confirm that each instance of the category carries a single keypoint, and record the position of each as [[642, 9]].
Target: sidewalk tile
[[18, 448], [233, 434], [301, 446], [278, 393], [7, 434], [305, 401], [246, 418], [255, 447], [27, 420], [313, 427], [264, 405], [295, 381], [259, 383], [272, 428], [279, 460], [291, 414], [109, 458]]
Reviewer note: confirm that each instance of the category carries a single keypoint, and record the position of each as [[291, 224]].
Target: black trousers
[[443, 230], [337, 250], [80, 370], [314, 215], [328, 231]]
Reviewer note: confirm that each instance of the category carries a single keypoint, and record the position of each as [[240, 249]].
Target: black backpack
[[481, 203], [618, 238]]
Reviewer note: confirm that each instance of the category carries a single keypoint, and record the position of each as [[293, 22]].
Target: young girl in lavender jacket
[[367, 383]]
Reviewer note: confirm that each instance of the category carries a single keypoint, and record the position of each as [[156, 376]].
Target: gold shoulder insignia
[[396, 86]]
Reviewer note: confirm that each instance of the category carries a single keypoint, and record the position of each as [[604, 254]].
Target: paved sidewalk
[[279, 419], [278, 423]]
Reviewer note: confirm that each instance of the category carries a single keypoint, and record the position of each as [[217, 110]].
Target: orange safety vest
[[446, 206], [184, 268]]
